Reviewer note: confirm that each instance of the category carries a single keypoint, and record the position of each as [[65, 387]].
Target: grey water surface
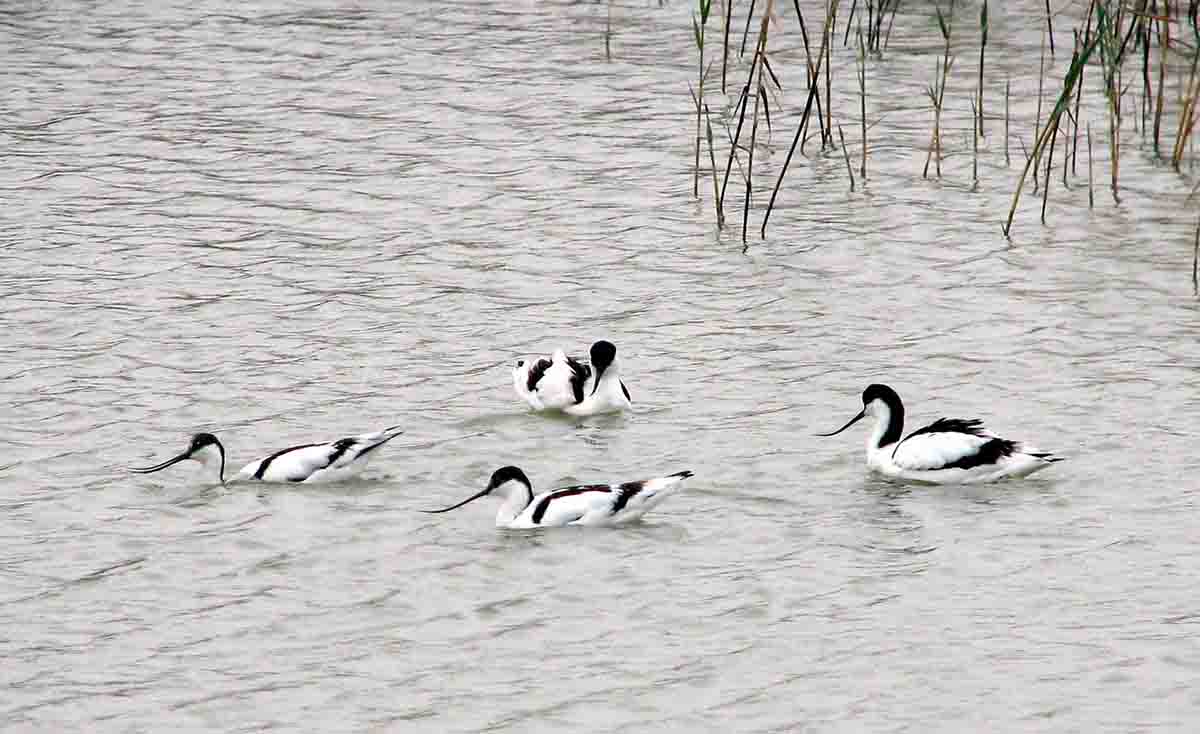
[[287, 222]]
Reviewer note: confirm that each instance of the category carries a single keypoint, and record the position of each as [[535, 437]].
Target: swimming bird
[[947, 451], [551, 384], [314, 462], [562, 383], [586, 504]]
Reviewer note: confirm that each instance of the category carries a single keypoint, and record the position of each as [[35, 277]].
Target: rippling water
[[284, 222]]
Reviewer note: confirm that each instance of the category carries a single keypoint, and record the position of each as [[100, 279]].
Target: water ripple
[[286, 222]]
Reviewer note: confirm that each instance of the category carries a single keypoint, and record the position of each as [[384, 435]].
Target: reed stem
[[937, 95], [733, 141], [1049, 164], [705, 6], [712, 159], [812, 91], [814, 75], [1196, 260], [974, 146], [1164, 44], [831, 16], [891, 21], [608, 33], [983, 39], [1091, 193], [1007, 89], [760, 52], [1187, 115], [1050, 27], [846, 156], [725, 47], [1114, 133], [746, 32], [1037, 125], [1087, 36], [1075, 117], [862, 97], [1069, 150], [1069, 82]]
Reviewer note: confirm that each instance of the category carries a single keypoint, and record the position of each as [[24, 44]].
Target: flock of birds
[[947, 451]]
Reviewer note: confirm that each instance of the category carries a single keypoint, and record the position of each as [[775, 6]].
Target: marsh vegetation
[[1126, 74]]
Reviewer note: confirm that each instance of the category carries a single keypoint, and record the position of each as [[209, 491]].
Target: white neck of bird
[[211, 457], [883, 420], [610, 382], [517, 497]]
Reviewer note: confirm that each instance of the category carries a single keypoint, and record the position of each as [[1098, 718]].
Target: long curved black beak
[[853, 420], [472, 498], [157, 467], [599, 371]]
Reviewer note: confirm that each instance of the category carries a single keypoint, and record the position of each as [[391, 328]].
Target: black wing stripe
[[626, 391], [540, 511], [262, 467], [973, 427], [988, 453], [626, 492], [341, 446], [536, 372], [579, 376]]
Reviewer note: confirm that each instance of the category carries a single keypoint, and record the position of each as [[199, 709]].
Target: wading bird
[[314, 462], [586, 504], [947, 451]]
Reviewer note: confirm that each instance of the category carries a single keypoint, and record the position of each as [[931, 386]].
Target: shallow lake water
[[286, 222]]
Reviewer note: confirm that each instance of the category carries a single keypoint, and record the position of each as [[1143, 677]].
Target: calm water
[[284, 222]]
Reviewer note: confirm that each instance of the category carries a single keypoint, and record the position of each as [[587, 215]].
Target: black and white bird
[[947, 451], [565, 384], [314, 462], [586, 504]]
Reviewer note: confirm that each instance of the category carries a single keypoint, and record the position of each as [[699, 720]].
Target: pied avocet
[[314, 462], [947, 451], [565, 384], [587, 504]]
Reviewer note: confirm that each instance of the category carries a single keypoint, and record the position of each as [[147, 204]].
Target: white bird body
[[551, 384], [560, 383], [608, 395], [947, 451], [319, 462], [586, 504]]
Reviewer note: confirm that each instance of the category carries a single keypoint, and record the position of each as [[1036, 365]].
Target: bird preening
[[564, 384]]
